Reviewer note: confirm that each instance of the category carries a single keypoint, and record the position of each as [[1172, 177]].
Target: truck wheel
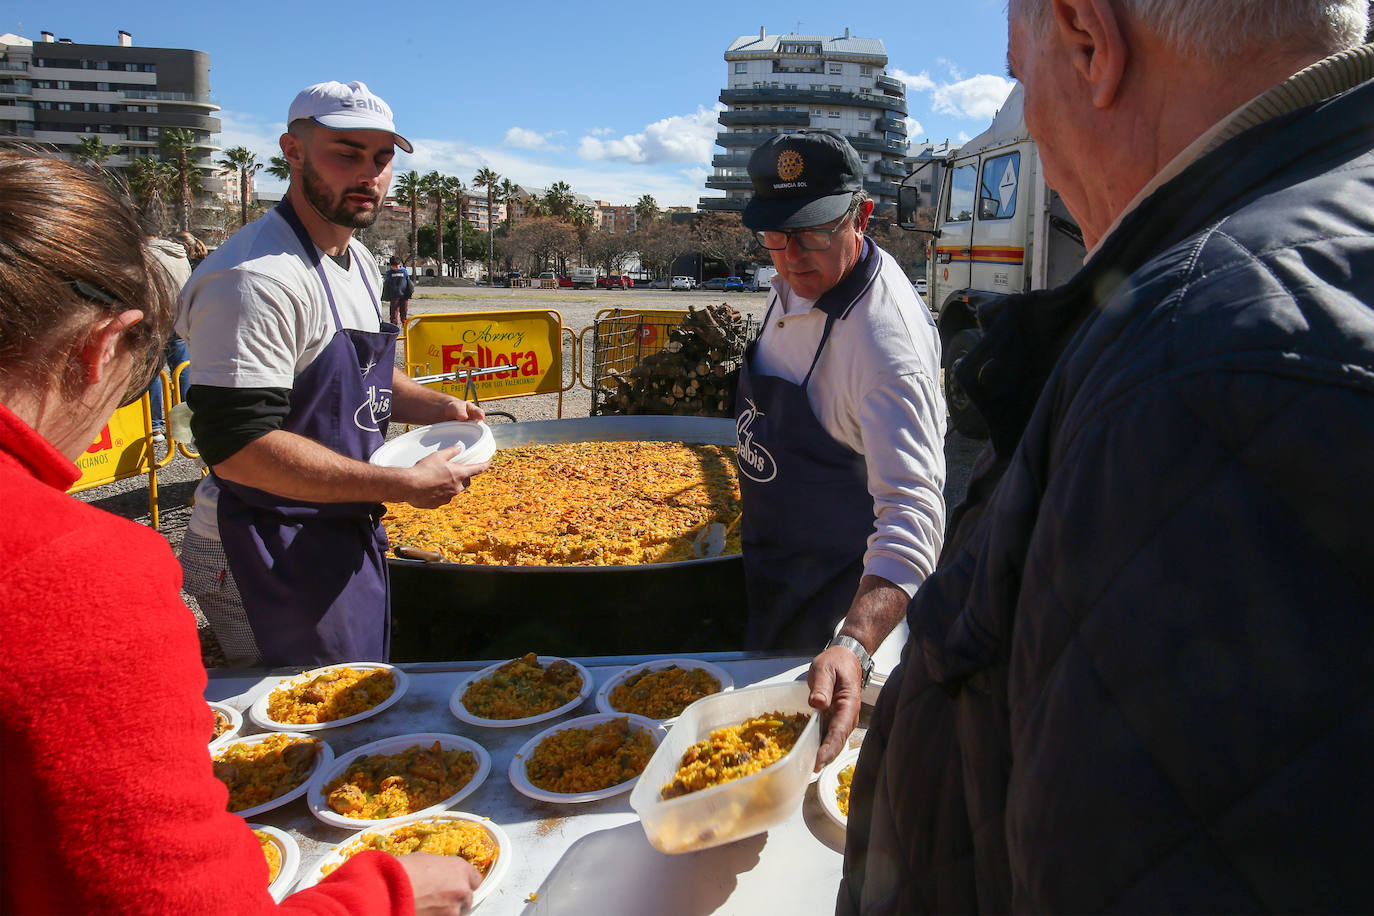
[[963, 415]]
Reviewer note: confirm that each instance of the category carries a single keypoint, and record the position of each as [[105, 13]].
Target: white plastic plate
[[830, 781], [455, 703], [603, 693], [290, 860], [520, 779], [235, 725], [258, 711], [319, 803], [489, 883], [407, 449], [322, 759]]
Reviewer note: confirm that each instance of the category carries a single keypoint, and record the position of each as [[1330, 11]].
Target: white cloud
[[913, 128], [919, 82], [259, 137], [601, 131], [977, 97], [524, 138], [679, 138]]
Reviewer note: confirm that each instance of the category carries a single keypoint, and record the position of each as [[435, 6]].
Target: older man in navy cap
[[295, 384], [841, 427]]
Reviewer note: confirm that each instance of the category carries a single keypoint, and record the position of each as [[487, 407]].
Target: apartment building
[[786, 83], [55, 91], [619, 218]]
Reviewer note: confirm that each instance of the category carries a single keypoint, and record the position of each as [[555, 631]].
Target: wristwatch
[[853, 645]]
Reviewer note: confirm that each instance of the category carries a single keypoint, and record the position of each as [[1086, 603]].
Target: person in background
[[195, 248], [295, 384], [173, 259], [841, 426], [1140, 679], [397, 288], [111, 805]]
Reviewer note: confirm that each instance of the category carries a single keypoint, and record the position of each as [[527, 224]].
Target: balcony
[[892, 168], [730, 161], [152, 95], [727, 204], [890, 125], [890, 84], [872, 145], [749, 140], [731, 183], [786, 118], [16, 66], [820, 97], [16, 87], [881, 188]]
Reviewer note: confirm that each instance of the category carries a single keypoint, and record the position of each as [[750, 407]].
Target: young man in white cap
[[841, 427], [295, 382]]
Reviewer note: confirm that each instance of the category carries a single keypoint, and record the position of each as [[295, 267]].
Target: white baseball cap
[[345, 106]]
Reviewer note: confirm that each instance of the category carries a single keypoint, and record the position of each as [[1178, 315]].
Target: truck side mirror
[[908, 207]]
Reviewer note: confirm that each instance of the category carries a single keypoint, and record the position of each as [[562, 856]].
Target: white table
[[586, 858]]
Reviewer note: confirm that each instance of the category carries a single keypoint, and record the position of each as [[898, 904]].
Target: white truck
[[583, 277], [997, 229]]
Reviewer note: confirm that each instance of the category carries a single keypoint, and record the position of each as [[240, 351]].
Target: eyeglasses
[[808, 239]]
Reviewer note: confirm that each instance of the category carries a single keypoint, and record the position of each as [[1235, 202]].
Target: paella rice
[[336, 693], [735, 751], [846, 778], [590, 759], [437, 837], [259, 772], [664, 693], [272, 852], [581, 504], [222, 724], [521, 688], [390, 785]]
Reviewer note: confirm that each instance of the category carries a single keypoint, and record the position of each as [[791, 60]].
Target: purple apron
[[313, 576], [807, 510]]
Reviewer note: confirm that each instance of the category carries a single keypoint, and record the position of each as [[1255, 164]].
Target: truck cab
[[996, 229]]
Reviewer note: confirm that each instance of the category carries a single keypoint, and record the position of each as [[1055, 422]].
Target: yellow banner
[[121, 450], [528, 341]]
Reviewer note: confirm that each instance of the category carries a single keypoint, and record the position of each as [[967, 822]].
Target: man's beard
[[335, 209]]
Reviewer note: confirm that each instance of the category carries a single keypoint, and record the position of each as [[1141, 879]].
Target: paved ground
[[578, 310]]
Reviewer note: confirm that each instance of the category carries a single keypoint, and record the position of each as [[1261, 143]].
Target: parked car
[[734, 283], [682, 282], [584, 278], [615, 281], [564, 281], [714, 283], [660, 283]]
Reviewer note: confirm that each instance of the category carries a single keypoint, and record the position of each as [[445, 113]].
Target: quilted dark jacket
[[1143, 677]]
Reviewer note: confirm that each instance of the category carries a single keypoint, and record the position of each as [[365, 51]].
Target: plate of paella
[[263, 772], [522, 691], [228, 722], [405, 776], [329, 697], [585, 759], [283, 858], [661, 689], [448, 833]]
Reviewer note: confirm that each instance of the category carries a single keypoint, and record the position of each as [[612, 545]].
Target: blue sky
[[616, 98]]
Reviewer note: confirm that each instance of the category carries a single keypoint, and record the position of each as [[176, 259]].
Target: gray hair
[[1226, 28]]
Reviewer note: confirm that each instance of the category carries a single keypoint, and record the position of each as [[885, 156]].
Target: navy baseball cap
[[802, 179]]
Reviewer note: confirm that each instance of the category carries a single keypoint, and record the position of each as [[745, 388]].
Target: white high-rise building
[[789, 83]]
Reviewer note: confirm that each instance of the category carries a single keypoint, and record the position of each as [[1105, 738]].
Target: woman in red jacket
[[109, 802]]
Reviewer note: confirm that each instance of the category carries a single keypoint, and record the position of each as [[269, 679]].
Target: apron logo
[[374, 410], [753, 460]]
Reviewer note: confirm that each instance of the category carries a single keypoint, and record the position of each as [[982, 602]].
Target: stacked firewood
[[695, 373]]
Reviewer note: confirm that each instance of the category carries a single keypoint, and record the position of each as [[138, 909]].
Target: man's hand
[[442, 885], [836, 682], [436, 479], [462, 410]]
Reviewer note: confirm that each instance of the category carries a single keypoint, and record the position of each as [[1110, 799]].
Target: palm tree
[[535, 208], [510, 191], [434, 187], [93, 151], [558, 198], [487, 178], [150, 180], [582, 219], [245, 162], [646, 210], [409, 192], [457, 192], [278, 167], [180, 143]]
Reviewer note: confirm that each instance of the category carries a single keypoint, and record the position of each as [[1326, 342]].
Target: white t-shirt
[[255, 315], [876, 389]]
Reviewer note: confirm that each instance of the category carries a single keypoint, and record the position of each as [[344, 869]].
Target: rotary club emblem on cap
[[789, 165]]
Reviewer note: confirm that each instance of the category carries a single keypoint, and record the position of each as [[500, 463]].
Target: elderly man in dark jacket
[[1143, 677]]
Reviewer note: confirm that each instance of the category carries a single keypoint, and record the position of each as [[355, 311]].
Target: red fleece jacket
[[109, 804]]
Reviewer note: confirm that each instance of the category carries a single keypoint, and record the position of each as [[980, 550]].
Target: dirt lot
[[577, 309]]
